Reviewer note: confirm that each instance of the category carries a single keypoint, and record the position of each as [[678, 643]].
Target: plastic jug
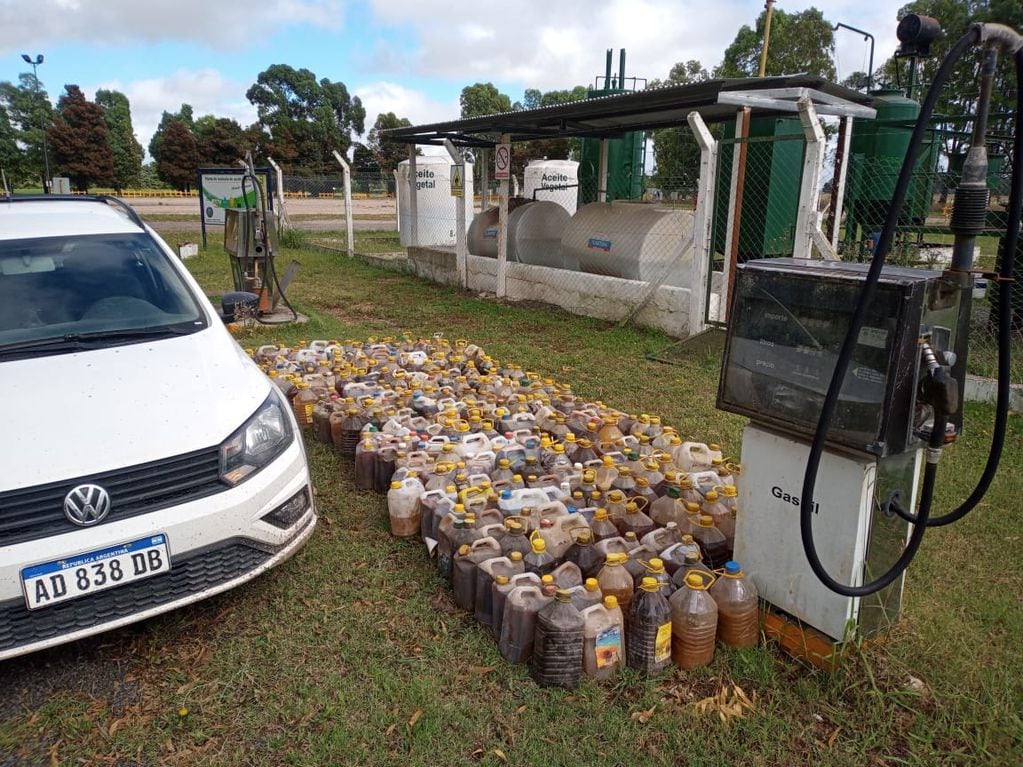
[[738, 607], [712, 542], [614, 580], [486, 572], [500, 589], [539, 560], [519, 622], [635, 520], [648, 634], [693, 564], [583, 553], [662, 537], [586, 594], [403, 507], [303, 403], [322, 411], [694, 620], [603, 639], [602, 526], [566, 575], [365, 465], [515, 537], [655, 569], [558, 643], [674, 556], [667, 508], [639, 560]]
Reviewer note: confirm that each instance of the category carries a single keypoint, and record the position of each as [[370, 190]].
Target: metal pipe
[[866, 36], [838, 180], [621, 69], [347, 172], [740, 185], [461, 247], [607, 76]]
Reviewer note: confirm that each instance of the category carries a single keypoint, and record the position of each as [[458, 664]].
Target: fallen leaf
[[500, 755], [643, 716], [481, 669], [115, 726], [834, 736], [415, 717], [520, 709], [389, 730]]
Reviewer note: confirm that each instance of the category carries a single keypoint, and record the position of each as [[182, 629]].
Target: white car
[[145, 461]]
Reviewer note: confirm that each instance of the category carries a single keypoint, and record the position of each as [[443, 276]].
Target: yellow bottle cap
[[712, 495], [611, 602], [600, 514], [591, 584], [464, 549], [695, 581], [547, 579], [608, 461], [459, 508], [515, 556], [706, 521], [650, 584], [501, 579], [539, 545], [687, 539], [395, 485], [656, 565]]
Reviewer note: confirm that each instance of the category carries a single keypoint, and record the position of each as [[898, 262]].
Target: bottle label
[[608, 647], [309, 412], [662, 645]]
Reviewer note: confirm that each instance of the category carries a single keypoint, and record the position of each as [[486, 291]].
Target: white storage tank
[[534, 233], [541, 174], [631, 240], [434, 204]]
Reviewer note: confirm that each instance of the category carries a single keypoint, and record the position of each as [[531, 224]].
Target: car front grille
[[37, 512], [188, 575]]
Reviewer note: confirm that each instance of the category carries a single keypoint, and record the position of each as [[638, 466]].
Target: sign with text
[[221, 188], [502, 162]]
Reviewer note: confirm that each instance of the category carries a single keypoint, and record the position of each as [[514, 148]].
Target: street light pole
[[35, 78]]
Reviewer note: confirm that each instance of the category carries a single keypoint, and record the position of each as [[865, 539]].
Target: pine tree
[[79, 139]]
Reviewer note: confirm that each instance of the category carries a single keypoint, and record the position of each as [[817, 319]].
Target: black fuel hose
[[269, 260], [972, 36]]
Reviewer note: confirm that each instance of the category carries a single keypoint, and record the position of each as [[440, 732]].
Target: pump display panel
[[788, 321]]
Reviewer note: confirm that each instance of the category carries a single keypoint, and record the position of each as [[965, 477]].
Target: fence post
[[838, 181], [413, 199], [484, 179], [461, 250], [502, 234], [282, 214], [397, 207], [602, 172], [346, 171], [702, 224], [735, 194]]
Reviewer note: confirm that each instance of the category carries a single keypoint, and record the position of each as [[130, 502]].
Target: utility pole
[[769, 7], [35, 79]]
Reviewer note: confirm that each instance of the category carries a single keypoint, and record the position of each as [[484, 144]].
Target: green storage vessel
[[770, 200]]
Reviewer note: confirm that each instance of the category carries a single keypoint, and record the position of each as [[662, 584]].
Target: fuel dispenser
[[852, 377]]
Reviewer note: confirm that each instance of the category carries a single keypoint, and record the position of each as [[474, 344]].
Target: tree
[[307, 118], [79, 139], [179, 156], [387, 153], [676, 153], [800, 42], [219, 141], [10, 155], [551, 148], [29, 112], [126, 150], [183, 115], [483, 99]]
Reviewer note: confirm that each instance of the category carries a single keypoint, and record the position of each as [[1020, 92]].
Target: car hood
[[71, 415]]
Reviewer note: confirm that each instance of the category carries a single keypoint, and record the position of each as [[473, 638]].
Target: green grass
[[328, 659]]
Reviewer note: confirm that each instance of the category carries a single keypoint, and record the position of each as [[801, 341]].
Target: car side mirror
[[237, 305]]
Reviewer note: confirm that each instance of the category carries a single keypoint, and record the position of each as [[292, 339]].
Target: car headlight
[[257, 442]]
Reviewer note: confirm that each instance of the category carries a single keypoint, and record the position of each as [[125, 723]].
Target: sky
[[410, 57]]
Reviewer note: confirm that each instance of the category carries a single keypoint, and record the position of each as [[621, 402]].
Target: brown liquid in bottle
[[694, 619], [558, 644], [614, 580], [648, 642], [738, 608]]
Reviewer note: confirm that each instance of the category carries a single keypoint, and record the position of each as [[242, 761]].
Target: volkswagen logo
[[87, 505]]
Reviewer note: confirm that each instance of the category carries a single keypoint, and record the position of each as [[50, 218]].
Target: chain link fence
[[364, 185]]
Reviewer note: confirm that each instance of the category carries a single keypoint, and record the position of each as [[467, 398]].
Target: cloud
[[25, 25], [206, 90], [381, 97]]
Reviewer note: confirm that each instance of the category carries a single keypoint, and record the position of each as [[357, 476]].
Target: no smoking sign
[[502, 162]]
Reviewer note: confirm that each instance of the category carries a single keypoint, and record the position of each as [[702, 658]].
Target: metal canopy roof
[[613, 115]]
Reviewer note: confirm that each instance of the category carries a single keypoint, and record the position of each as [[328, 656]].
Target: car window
[[56, 287]]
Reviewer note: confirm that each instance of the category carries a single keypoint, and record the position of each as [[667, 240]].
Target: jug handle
[[706, 576], [735, 468], [636, 499]]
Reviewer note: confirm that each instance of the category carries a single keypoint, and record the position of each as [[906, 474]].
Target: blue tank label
[[490, 234], [595, 244]]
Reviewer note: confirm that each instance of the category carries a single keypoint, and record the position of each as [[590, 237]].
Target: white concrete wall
[[589, 295]]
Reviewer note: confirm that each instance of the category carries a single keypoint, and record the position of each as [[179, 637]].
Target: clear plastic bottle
[[648, 643], [586, 594], [403, 507], [738, 607], [602, 526], [538, 560], [694, 620], [515, 537], [519, 622], [614, 580], [584, 555], [603, 639], [712, 542], [500, 590]]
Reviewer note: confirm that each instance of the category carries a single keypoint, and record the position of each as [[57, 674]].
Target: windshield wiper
[[92, 339]]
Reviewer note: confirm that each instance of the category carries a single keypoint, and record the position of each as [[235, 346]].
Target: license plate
[[53, 582]]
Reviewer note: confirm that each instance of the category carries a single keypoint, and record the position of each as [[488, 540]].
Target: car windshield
[[108, 288]]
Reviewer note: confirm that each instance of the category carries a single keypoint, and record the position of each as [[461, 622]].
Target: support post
[[838, 180], [735, 194], [484, 178], [282, 213], [397, 206], [602, 172], [702, 224], [808, 231], [347, 173], [502, 234], [413, 200], [461, 248]]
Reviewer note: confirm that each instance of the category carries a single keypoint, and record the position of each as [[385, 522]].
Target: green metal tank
[[877, 149], [625, 175], [770, 200]]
